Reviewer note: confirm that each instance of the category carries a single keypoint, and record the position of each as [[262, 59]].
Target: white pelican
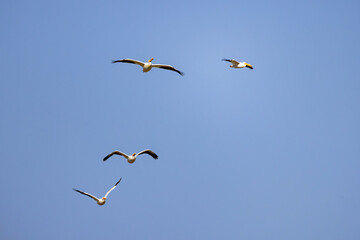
[[132, 158], [100, 201], [148, 65], [236, 64]]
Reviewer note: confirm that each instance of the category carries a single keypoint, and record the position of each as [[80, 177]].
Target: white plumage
[[100, 201], [132, 158], [236, 64], [148, 65]]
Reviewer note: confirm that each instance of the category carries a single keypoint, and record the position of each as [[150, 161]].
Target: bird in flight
[[148, 65], [100, 201], [132, 158], [236, 64]]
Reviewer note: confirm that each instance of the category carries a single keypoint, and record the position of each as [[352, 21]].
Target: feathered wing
[[167, 67], [87, 194], [231, 60], [117, 153], [112, 188], [127, 60], [224, 59], [148, 151]]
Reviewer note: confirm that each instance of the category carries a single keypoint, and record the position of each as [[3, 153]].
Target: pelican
[[100, 201], [148, 65], [236, 64], [132, 158]]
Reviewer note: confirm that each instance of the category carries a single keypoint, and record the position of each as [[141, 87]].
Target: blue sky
[[269, 153]]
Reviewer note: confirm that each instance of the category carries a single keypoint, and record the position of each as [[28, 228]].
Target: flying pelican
[[102, 200], [132, 158], [236, 64], [148, 65]]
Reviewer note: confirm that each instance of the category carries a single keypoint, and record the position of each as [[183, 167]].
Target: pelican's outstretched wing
[[117, 153], [249, 66], [231, 60], [167, 67], [87, 194], [112, 188], [127, 60], [148, 151]]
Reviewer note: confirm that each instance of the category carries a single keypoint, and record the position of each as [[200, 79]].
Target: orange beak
[[151, 59]]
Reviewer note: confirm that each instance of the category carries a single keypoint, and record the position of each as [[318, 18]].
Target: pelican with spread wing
[[236, 64], [148, 65], [132, 158], [100, 201]]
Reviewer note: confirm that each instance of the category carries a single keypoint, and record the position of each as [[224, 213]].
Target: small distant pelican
[[100, 201], [132, 157], [148, 65], [236, 64]]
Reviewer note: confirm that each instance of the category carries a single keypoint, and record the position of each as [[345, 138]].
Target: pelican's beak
[[151, 59], [249, 66], [134, 154], [104, 198]]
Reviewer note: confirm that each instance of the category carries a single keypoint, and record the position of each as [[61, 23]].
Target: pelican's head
[[133, 154], [151, 59], [104, 198]]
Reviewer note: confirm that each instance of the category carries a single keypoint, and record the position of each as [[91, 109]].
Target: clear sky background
[[269, 153]]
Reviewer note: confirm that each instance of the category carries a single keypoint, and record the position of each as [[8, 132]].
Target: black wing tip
[[76, 190], [108, 156], [118, 181], [116, 61], [181, 73], [151, 153], [154, 155], [224, 59]]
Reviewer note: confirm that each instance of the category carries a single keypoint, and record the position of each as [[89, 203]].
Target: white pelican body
[[132, 158], [236, 64], [100, 201], [148, 65]]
